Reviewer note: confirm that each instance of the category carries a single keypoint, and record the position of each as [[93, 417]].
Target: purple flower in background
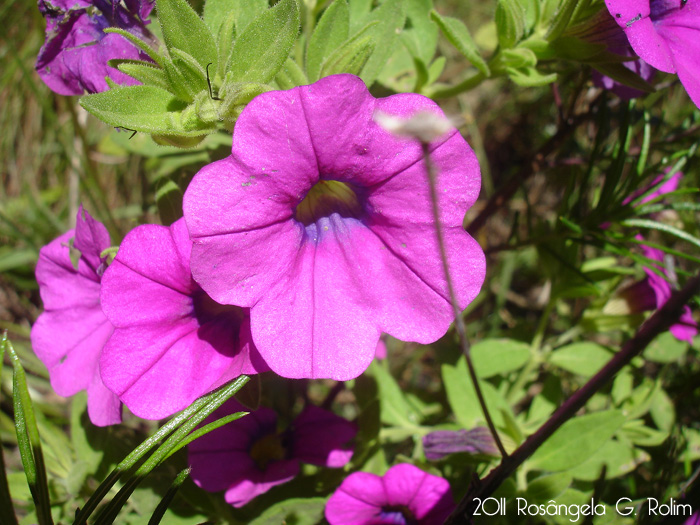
[[686, 328], [404, 496], [171, 342], [74, 57], [694, 519], [69, 335], [665, 34], [669, 185], [320, 221], [250, 456], [442, 443]]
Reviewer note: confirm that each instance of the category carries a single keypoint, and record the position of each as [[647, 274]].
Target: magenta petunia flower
[[687, 327], [668, 186], [68, 337], [171, 342], [320, 222], [250, 455], [74, 57], [665, 34], [405, 495]]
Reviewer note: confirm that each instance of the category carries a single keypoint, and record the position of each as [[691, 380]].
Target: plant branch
[[655, 325]]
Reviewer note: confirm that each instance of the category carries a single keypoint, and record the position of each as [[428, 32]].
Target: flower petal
[[427, 496], [321, 438], [358, 500]]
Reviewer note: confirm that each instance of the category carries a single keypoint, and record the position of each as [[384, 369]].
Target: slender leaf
[[7, 511], [261, 50], [143, 72], [332, 30], [391, 20], [457, 33], [665, 228], [159, 512], [183, 29], [143, 46], [29, 442]]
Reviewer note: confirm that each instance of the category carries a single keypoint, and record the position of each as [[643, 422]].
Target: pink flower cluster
[[295, 254]]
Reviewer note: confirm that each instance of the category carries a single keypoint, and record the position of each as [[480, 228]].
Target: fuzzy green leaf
[[261, 50], [142, 108], [144, 72], [183, 29], [510, 22], [391, 20], [332, 30], [584, 359], [458, 35]]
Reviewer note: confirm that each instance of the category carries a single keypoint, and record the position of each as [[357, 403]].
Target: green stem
[[451, 91]]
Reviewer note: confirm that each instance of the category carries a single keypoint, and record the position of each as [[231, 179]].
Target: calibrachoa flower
[[74, 57], [171, 342], [665, 34], [686, 328], [404, 496], [250, 455], [69, 335], [320, 221]]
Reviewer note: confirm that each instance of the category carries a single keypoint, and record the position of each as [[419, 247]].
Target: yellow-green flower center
[[267, 449], [325, 198]]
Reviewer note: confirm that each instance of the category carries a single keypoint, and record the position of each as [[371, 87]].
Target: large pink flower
[[665, 34], [320, 222], [405, 495], [250, 455], [71, 333], [171, 342]]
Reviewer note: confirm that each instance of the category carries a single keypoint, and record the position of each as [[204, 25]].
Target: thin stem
[[655, 325], [459, 321], [451, 91]]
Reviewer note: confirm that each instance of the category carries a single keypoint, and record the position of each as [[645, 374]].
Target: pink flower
[[250, 456], [320, 222], [671, 184], [405, 495], [686, 328], [171, 342], [665, 34], [69, 335]]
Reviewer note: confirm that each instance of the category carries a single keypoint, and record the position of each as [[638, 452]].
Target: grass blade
[[158, 514], [7, 511]]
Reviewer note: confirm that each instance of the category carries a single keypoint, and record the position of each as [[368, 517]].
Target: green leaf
[[243, 11], [618, 458], [169, 201], [183, 29], [299, 511], [499, 356], [576, 440], [159, 512], [225, 38], [530, 77], [142, 108], [638, 433], [143, 46], [665, 348], [561, 19], [584, 359], [144, 72], [332, 30], [349, 59], [185, 76], [640, 400], [457, 33], [28, 440], [260, 51], [359, 11], [548, 487], [395, 409], [623, 75], [7, 512], [510, 22], [662, 410], [391, 20], [464, 401]]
